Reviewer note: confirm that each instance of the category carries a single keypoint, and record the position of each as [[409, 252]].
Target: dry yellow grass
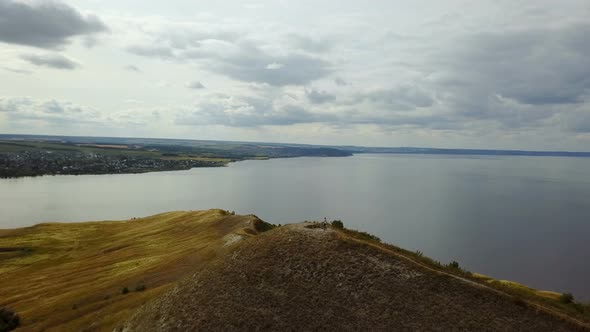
[[519, 287], [69, 276]]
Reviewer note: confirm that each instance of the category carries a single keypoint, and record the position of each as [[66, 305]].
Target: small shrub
[[9, 320], [454, 265], [338, 224], [419, 253], [140, 288], [262, 226], [125, 290], [579, 307], [566, 298]]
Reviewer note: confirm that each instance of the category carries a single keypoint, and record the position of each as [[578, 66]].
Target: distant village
[[41, 162]]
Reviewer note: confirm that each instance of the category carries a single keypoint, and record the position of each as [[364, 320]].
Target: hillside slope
[[300, 278], [70, 276]]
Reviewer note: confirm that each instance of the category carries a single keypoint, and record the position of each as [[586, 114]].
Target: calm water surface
[[525, 219]]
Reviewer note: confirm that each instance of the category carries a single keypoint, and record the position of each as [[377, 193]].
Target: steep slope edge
[[300, 278]]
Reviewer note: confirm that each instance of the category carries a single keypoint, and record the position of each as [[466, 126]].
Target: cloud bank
[[44, 24], [486, 74]]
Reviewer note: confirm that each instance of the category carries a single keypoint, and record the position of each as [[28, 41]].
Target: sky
[[453, 74]]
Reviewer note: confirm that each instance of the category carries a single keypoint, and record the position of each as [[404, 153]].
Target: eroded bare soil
[[295, 278]]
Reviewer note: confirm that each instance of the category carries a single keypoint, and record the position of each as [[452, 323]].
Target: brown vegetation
[[309, 278]]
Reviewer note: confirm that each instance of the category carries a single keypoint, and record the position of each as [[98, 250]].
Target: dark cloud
[[251, 64], [319, 97], [240, 60], [195, 85], [46, 24], [56, 61], [513, 78], [534, 67]]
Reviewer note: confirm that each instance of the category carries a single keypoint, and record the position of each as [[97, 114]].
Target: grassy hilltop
[[212, 270], [71, 276]]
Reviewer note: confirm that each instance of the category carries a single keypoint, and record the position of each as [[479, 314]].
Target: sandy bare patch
[[231, 239]]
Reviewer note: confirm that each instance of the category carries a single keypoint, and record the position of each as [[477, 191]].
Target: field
[[123, 150], [157, 148], [71, 276]]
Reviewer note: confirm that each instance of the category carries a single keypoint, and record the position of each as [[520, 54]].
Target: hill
[[302, 277], [212, 270], [71, 276]]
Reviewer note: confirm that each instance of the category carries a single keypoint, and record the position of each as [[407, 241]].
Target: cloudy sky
[[475, 74]]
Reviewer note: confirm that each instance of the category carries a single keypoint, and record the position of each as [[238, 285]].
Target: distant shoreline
[[473, 152], [30, 155], [466, 152], [344, 148]]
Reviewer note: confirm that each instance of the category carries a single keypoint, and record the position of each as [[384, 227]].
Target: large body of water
[[525, 219]]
